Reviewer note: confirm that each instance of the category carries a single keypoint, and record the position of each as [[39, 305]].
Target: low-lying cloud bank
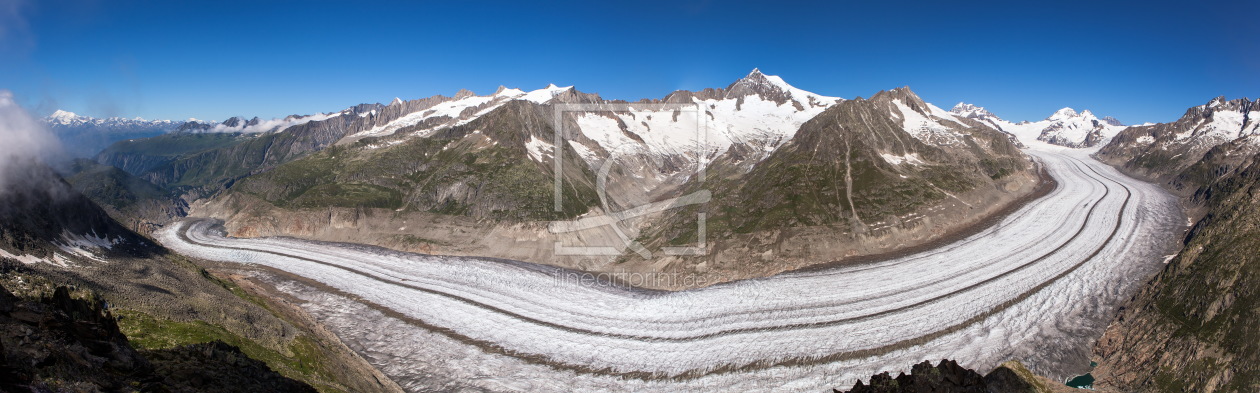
[[270, 125], [24, 141]]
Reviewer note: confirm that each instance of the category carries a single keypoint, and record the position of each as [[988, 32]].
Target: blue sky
[[1140, 61]]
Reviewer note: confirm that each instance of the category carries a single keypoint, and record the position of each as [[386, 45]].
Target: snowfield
[[1039, 286]]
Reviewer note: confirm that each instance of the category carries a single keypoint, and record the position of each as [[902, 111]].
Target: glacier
[[1038, 286]]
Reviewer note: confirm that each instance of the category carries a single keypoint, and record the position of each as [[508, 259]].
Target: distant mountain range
[[85, 136]]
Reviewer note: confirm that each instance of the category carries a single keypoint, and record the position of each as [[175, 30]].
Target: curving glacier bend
[[1039, 287]]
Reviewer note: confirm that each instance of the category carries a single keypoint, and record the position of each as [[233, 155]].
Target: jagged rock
[[946, 377], [949, 377]]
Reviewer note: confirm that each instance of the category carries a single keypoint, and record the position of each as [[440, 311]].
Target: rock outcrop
[[949, 377], [61, 343]]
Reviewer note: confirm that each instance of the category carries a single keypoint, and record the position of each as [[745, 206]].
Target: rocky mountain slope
[[42, 216], [860, 177], [1065, 127], [201, 159], [473, 175], [1191, 329], [1207, 142]]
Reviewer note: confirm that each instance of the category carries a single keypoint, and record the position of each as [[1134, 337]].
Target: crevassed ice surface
[[1039, 286]]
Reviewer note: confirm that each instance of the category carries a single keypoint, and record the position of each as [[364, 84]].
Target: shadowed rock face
[[39, 208], [949, 377], [60, 343]]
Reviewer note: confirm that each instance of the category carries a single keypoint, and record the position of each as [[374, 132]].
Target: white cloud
[[23, 140], [273, 124]]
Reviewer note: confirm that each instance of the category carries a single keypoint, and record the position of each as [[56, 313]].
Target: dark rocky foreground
[[59, 343], [949, 377]]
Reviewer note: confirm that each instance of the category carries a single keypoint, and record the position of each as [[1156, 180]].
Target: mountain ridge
[[438, 164]]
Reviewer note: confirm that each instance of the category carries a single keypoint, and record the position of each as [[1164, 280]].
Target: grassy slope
[[302, 359], [461, 171], [141, 155], [130, 200]]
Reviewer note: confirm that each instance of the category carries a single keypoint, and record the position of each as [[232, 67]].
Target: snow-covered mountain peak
[[441, 112], [63, 117], [1222, 104], [506, 92], [970, 111], [1065, 127], [920, 119], [1219, 120], [758, 113], [396, 101], [1063, 114], [774, 88], [544, 95]]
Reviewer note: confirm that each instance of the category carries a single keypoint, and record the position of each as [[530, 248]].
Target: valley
[[756, 237], [1039, 285], [681, 196]]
